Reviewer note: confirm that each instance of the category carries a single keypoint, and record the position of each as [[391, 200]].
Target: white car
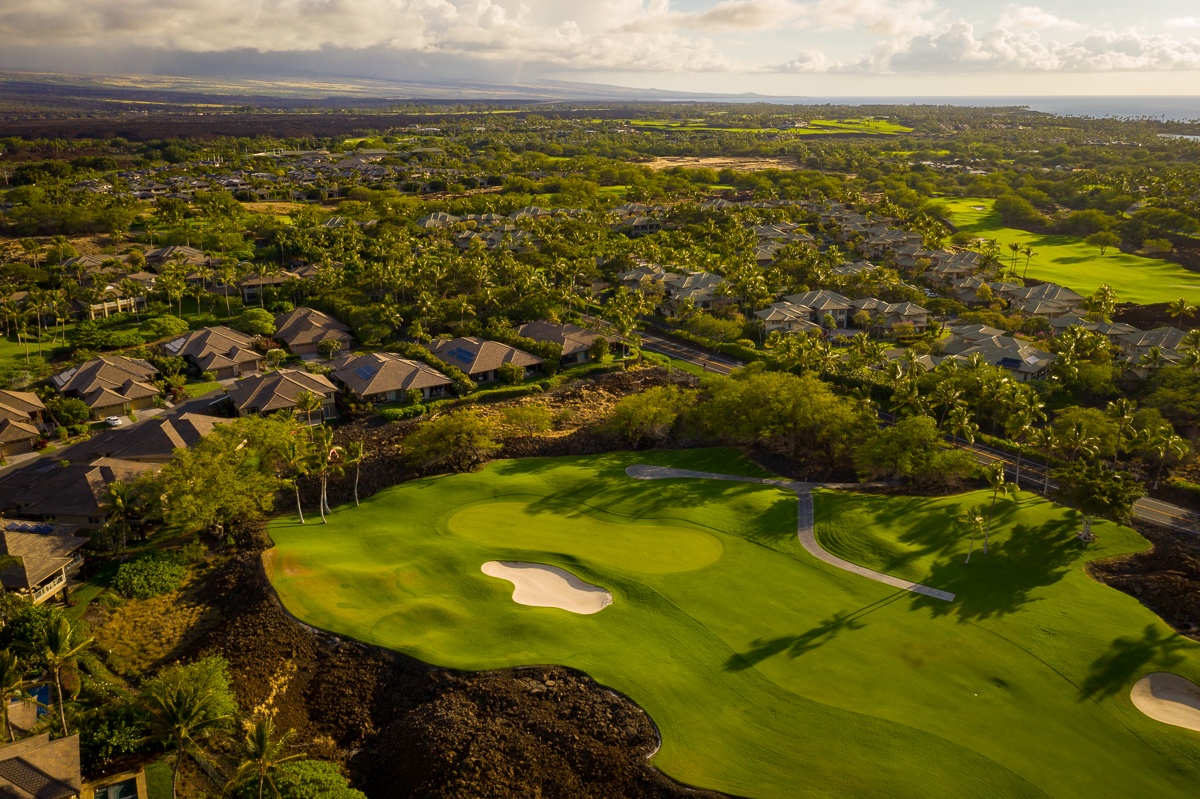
[[114, 421]]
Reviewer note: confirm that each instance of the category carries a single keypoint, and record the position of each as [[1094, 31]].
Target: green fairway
[[1066, 260], [816, 127], [770, 673]]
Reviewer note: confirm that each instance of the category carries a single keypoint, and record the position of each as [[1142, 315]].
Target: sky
[[777, 47]]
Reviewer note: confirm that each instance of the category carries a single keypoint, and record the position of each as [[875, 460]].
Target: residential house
[[76, 494], [221, 350], [702, 289], [25, 407], [189, 256], [787, 318], [642, 276], [43, 561], [40, 768], [277, 391], [110, 386], [303, 330], [1022, 361], [947, 268], [387, 377], [575, 341], [480, 358], [125, 785], [150, 441], [824, 303], [1137, 344]]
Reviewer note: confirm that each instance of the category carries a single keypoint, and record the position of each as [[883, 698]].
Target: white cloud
[[956, 48], [1182, 22], [1030, 18]]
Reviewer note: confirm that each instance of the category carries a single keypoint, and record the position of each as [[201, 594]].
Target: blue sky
[[786, 47]]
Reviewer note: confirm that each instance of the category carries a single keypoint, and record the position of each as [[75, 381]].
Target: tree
[[118, 507], [62, 647], [529, 419], [297, 463], [994, 474], [647, 416], [961, 424], [1103, 239], [1121, 413], [913, 450], [510, 373], [1179, 310], [599, 348], [972, 517], [354, 457], [1102, 303], [1164, 443], [308, 403], [1097, 491], [459, 441], [329, 347], [325, 459], [313, 779], [255, 322], [261, 756], [13, 687], [186, 706]]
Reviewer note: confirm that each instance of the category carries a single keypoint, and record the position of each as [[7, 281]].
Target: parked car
[[114, 421]]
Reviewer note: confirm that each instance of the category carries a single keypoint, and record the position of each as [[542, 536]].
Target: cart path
[[804, 521]]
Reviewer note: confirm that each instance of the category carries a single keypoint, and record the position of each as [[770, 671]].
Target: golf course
[[1069, 262], [769, 672]]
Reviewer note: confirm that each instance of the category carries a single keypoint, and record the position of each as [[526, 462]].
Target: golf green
[[1070, 262], [770, 673]]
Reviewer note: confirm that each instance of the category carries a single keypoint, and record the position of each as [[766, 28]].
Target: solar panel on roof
[[365, 372], [460, 354]]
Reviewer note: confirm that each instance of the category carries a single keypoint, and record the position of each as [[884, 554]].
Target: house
[[1049, 293], [151, 441], [700, 288], [387, 377], [221, 350], [787, 318], [823, 303], [900, 313], [189, 256], [640, 277], [41, 562], [23, 406], [126, 785], [303, 330], [110, 386], [277, 391], [1139, 343], [76, 493], [17, 437], [1022, 361], [39, 768], [576, 342], [480, 358]]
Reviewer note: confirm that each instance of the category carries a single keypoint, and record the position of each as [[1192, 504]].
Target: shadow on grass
[[796, 645], [1005, 579], [1127, 656]]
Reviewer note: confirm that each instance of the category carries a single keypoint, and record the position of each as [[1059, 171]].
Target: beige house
[[75, 494], [576, 342], [277, 391], [41, 562], [480, 358], [221, 350], [387, 377], [303, 330], [39, 768], [111, 386]]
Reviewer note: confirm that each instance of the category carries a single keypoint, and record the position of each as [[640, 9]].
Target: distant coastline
[[1171, 108]]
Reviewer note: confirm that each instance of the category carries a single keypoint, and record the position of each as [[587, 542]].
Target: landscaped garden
[[1070, 262], [770, 673]]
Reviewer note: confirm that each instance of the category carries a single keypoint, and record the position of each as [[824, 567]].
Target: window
[[94, 520], [120, 790]]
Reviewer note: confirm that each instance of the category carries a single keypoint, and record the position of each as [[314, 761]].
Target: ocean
[[1176, 108]]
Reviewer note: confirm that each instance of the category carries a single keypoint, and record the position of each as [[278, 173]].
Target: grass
[[816, 127], [199, 389], [158, 780], [769, 673], [1066, 260]]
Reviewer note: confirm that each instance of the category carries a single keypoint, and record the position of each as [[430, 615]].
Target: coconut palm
[[181, 715], [1028, 252], [972, 517], [961, 424], [994, 473], [308, 403], [60, 652], [261, 756], [1164, 443], [118, 508], [325, 460], [1121, 412], [1180, 309], [354, 457], [297, 459], [13, 687]]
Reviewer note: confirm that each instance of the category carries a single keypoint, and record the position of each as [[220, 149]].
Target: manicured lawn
[[199, 389], [772, 674], [1066, 260]]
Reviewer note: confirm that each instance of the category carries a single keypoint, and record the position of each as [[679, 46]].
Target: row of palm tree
[[317, 454]]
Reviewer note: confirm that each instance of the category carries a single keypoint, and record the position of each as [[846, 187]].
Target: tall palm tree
[[1121, 412], [60, 652], [972, 517], [308, 403], [994, 473], [961, 424], [261, 756], [325, 460], [13, 687], [1180, 309], [118, 507], [134, 291], [1028, 252], [354, 457], [1164, 443], [181, 716], [297, 459]]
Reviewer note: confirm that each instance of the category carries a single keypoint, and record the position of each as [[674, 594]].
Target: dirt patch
[[408, 729], [1166, 579], [272, 208], [744, 164]]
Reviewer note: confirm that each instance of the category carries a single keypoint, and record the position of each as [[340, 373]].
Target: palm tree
[[961, 424], [134, 291], [1015, 248], [261, 756], [972, 517], [12, 687], [118, 507], [308, 403], [1121, 412], [60, 652], [1179, 309], [181, 715], [994, 473], [1163, 442], [326, 460], [297, 458], [1028, 252], [1152, 358], [354, 457]]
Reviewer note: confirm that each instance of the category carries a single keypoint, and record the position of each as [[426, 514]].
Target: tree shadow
[[796, 645], [1112, 671], [1005, 579]]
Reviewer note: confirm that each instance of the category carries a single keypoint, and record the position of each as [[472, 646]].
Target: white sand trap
[[1168, 698], [978, 207], [549, 587]]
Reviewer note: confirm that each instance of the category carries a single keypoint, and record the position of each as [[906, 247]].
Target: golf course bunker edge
[[542, 586], [1168, 698]]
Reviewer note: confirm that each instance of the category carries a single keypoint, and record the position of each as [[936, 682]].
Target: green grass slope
[[772, 674], [1066, 260]]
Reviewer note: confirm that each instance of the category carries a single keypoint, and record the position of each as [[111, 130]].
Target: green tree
[[326, 459], [974, 521], [255, 322], [458, 441], [1097, 491], [354, 457], [62, 647], [994, 474], [1103, 239], [261, 757], [647, 416], [530, 419], [313, 779], [13, 687], [308, 403], [914, 450], [1179, 310]]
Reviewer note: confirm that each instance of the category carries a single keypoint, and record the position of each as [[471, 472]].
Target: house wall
[[17, 447]]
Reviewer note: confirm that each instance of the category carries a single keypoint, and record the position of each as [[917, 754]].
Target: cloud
[[1182, 22], [957, 48], [1031, 18]]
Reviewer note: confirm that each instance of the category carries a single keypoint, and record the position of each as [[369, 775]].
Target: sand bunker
[[549, 587], [1168, 698]]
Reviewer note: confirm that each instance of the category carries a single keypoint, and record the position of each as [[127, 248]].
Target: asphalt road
[[1033, 474]]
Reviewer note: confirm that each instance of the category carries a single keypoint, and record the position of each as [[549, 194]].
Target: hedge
[[150, 575], [405, 412]]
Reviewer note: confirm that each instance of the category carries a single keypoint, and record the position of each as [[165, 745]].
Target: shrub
[[255, 322], [400, 414], [163, 327], [68, 410], [510, 373], [150, 575]]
